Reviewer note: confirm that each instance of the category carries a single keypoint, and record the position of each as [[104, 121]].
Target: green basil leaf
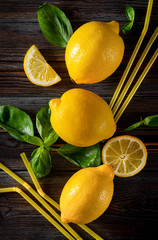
[[133, 126], [151, 121], [16, 122], [82, 156], [41, 162], [13, 132], [32, 140], [44, 127], [68, 149], [130, 13], [127, 27], [51, 139], [54, 24]]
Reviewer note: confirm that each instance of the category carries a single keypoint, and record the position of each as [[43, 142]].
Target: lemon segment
[[38, 70], [125, 154]]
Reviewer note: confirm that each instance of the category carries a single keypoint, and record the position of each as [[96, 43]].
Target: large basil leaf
[[41, 162], [44, 127], [16, 122], [54, 24], [82, 156]]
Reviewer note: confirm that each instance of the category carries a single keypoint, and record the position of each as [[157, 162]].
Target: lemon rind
[[143, 160], [30, 76]]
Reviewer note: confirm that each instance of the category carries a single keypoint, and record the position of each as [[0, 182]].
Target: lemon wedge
[[126, 154], [38, 70]]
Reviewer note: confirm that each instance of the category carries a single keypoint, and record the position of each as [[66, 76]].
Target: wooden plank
[[129, 204], [132, 214], [76, 10], [141, 106], [14, 81], [11, 149]]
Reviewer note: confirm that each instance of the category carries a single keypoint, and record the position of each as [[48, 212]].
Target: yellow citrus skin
[[94, 52], [87, 194], [81, 118], [38, 71]]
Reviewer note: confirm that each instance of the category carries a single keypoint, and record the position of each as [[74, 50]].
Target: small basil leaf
[[41, 162], [44, 127], [43, 121], [130, 13], [151, 121], [51, 139], [127, 27], [133, 126], [16, 122], [54, 24], [32, 140], [82, 156]]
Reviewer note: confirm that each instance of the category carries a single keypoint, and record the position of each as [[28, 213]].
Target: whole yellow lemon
[[87, 194], [81, 118], [94, 52]]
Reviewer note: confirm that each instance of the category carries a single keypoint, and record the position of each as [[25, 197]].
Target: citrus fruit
[[94, 52], [125, 154], [87, 194], [81, 118], [38, 70]]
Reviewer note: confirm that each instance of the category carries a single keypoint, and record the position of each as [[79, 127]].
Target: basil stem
[[54, 24], [151, 121]]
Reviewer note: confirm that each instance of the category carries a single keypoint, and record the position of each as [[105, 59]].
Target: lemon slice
[[38, 70], [125, 154]]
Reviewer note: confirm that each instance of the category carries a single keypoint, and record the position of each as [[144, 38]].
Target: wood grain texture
[[133, 212]]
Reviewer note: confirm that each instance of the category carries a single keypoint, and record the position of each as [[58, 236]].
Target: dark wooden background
[[133, 212]]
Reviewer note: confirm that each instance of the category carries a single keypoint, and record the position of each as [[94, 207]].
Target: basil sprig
[[151, 121], [19, 125], [130, 14], [54, 24]]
